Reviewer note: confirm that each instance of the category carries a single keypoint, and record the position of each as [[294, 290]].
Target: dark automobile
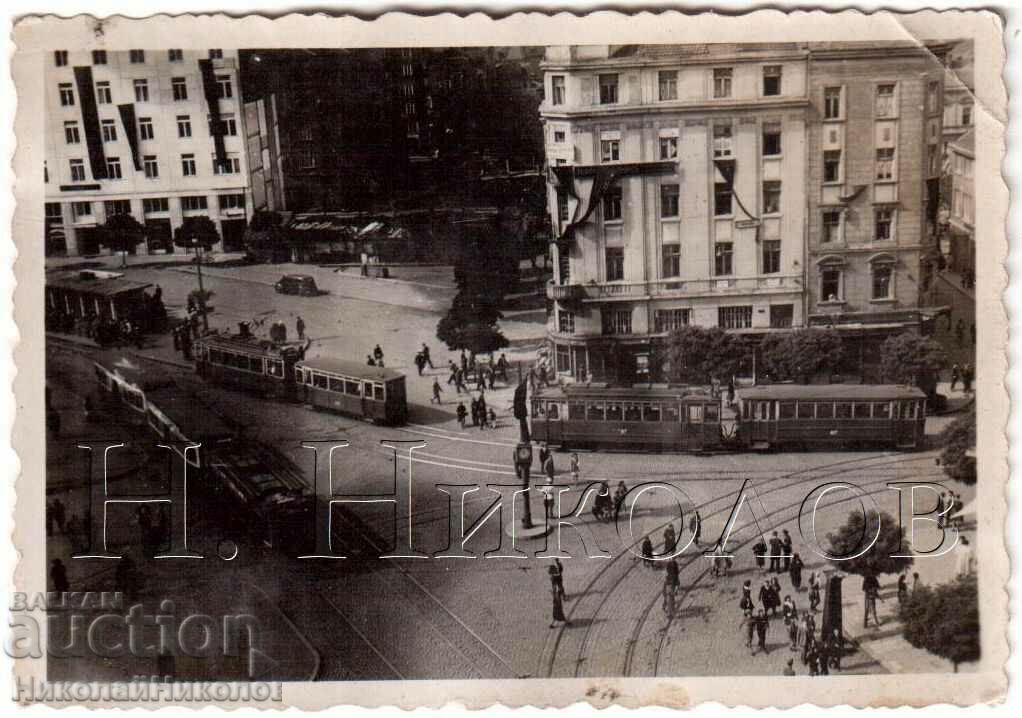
[[301, 284]]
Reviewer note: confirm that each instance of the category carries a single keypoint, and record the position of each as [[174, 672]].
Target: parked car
[[300, 284]]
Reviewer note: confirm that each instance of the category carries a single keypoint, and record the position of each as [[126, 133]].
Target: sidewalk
[[136, 261]]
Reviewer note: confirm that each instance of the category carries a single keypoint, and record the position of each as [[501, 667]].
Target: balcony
[[674, 288]]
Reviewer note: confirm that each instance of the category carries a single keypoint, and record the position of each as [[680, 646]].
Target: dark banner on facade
[[127, 113], [90, 121], [209, 89]]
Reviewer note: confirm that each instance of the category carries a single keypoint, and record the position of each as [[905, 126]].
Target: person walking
[[426, 357], [459, 381], [475, 411], [870, 592], [490, 376], [790, 614], [436, 392], [956, 374], [786, 545], [300, 328], [491, 418], [761, 632], [575, 466], [670, 540], [558, 609], [749, 623], [647, 552], [461, 412], [759, 550], [548, 498], [378, 355], [673, 574], [695, 525], [795, 572], [556, 572], [453, 369], [482, 411], [619, 498], [419, 363], [464, 362], [548, 467], [967, 377], [775, 554], [745, 602], [902, 588], [814, 593], [58, 576]]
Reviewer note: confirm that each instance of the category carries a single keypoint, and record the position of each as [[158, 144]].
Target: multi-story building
[[156, 134], [750, 187], [677, 197], [959, 96], [961, 216]]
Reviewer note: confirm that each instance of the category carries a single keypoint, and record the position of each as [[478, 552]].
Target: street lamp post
[[202, 292]]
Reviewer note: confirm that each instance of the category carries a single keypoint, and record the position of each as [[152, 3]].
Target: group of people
[[482, 416], [965, 374], [376, 358], [950, 509]]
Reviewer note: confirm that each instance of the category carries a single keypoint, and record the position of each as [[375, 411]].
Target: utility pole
[[202, 292]]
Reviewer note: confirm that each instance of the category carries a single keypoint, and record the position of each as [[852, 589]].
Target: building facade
[[157, 134], [959, 96], [753, 188], [961, 250]]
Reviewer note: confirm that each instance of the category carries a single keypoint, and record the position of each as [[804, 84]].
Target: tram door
[[694, 436]]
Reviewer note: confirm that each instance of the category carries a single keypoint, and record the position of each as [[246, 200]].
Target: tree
[[911, 358], [957, 438], [196, 232], [944, 620], [697, 355], [847, 545], [265, 236], [483, 276], [801, 354], [121, 233]]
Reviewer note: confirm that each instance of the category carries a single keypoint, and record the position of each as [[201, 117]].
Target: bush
[[697, 355], [850, 539], [801, 354], [945, 620], [957, 438], [911, 358]]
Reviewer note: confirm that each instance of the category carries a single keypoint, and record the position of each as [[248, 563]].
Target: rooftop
[[346, 367], [838, 392], [103, 284]]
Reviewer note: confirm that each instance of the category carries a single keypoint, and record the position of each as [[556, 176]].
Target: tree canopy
[[847, 545], [121, 233], [697, 355], [957, 438], [800, 354], [202, 229], [910, 358], [944, 620], [484, 274]]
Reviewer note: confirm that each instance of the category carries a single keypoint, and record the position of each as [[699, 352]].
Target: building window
[[721, 199], [188, 165], [77, 170], [932, 96], [771, 80], [141, 91], [885, 164], [151, 166], [114, 207], [137, 57], [227, 124], [610, 150], [175, 55], [832, 103], [884, 104], [109, 130], [771, 197], [53, 211], [771, 256], [882, 274], [99, 57], [180, 88], [231, 201], [668, 84], [306, 159], [103, 96], [608, 89], [145, 128], [832, 165], [723, 253], [831, 226], [71, 134], [671, 261], [722, 146], [224, 90], [193, 203], [60, 58], [154, 205], [560, 136], [883, 222], [615, 257], [722, 82], [184, 126], [670, 320], [734, 317], [230, 165], [782, 316], [617, 321], [46, 172], [669, 200], [557, 90], [771, 139], [830, 284], [668, 148], [67, 95], [216, 54], [612, 205], [80, 210], [565, 322], [113, 168], [966, 114]]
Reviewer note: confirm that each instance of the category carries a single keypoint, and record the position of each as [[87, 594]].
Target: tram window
[[275, 367], [552, 411], [825, 410], [577, 410], [651, 412], [915, 409], [695, 413], [596, 409], [633, 412], [133, 398], [336, 385], [861, 410], [299, 376], [537, 409], [670, 413], [255, 364], [843, 411], [712, 413], [319, 380], [882, 410], [806, 410], [367, 390], [613, 411], [786, 410], [378, 392], [351, 387]]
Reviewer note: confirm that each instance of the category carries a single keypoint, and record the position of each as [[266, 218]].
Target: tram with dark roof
[[367, 392], [249, 363]]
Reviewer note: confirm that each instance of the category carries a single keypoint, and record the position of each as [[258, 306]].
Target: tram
[[249, 363], [369, 392], [670, 419]]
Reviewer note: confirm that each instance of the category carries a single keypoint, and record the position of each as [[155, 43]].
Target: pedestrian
[[575, 467], [378, 355], [300, 328], [482, 411], [369, 360], [915, 582], [548, 467], [960, 331], [59, 514], [502, 367], [619, 498], [835, 647], [647, 552], [556, 572], [761, 632], [956, 374], [672, 577], [558, 609], [966, 558], [766, 600], [967, 376], [870, 592], [759, 550], [823, 656], [464, 362], [436, 392], [776, 549], [786, 545], [492, 418], [790, 614], [795, 572], [461, 413], [811, 657], [789, 668], [695, 526], [749, 623], [58, 576], [459, 381], [940, 510], [426, 357], [453, 369], [670, 539], [902, 589], [548, 499], [814, 593], [419, 363], [475, 412]]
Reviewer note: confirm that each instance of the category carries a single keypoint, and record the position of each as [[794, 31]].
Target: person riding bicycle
[[603, 504]]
